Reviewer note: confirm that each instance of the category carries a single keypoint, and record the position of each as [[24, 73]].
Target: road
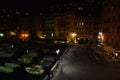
[[77, 65]]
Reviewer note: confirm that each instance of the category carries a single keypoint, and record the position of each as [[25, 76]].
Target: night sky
[[30, 4], [34, 5]]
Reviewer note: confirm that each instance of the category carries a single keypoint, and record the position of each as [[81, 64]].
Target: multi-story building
[[73, 21], [60, 25], [38, 25], [69, 25], [68, 21], [49, 29], [15, 23], [65, 23], [110, 23]]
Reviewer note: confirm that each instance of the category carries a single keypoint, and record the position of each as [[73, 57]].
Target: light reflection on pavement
[[76, 65]]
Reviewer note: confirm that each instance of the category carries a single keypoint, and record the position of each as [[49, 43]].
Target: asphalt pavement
[[76, 64]]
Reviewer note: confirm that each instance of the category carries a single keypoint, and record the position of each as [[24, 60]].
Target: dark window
[[67, 28], [118, 29], [61, 34], [63, 29], [114, 18], [105, 12], [106, 20], [119, 16], [105, 30], [117, 44], [106, 40], [67, 34], [67, 23], [60, 29]]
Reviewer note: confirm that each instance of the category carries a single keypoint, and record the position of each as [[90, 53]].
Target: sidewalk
[[58, 68], [106, 54]]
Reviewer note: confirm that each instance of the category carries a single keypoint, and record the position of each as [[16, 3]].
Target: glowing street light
[[74, 35], [24, 35], [100, 35], [2, 35]]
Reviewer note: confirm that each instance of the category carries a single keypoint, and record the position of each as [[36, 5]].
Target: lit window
[[18, 12], [82, 23], [12, 33], [79, 23], [27, 14], [52, 24], [80, 8]]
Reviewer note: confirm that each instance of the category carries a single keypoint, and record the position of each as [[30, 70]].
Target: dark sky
[[29, 3], [32, 4]]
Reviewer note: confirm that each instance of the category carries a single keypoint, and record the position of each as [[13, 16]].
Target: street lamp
[[74, 34], [74, 37], [100, 35]]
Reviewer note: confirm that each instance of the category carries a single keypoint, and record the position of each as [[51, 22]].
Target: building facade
[[69, 21], [110, 23], [15, 23], [74, 21], [71, 26]]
